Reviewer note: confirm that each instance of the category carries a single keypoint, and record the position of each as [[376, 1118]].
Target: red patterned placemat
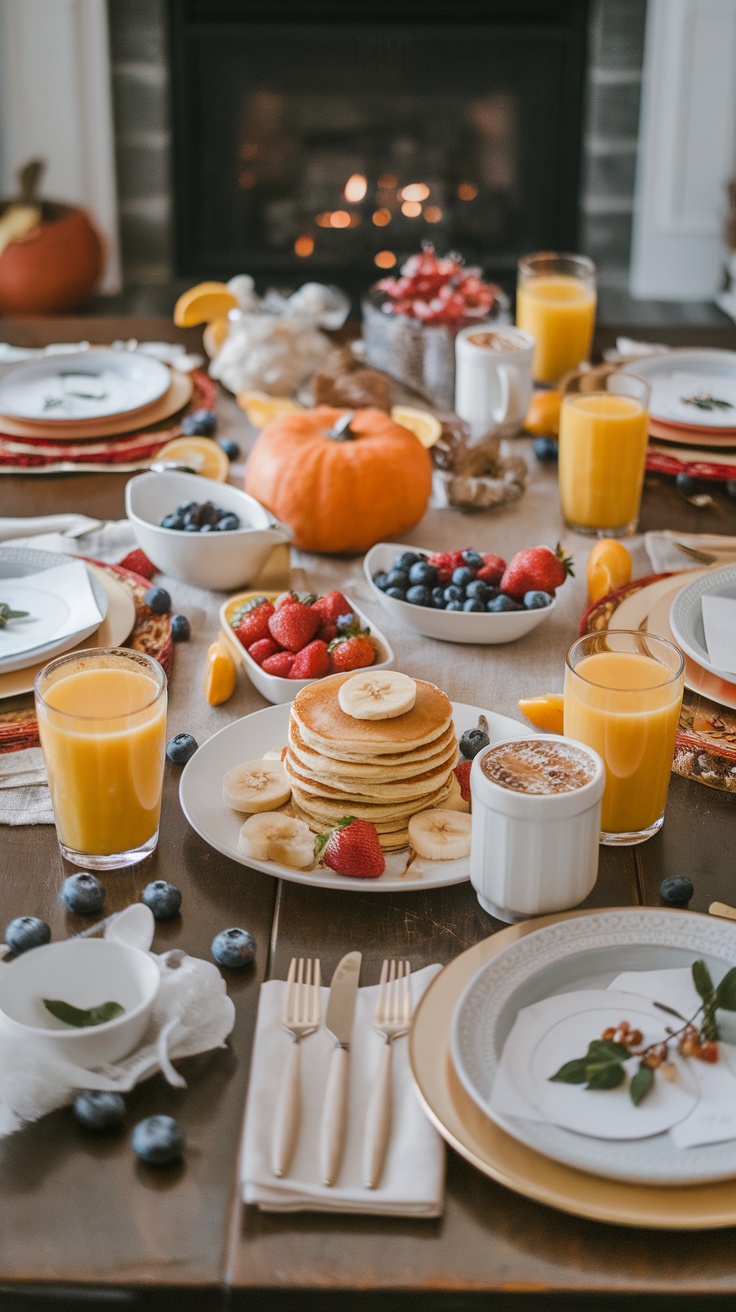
[[150, 634], [661, 462], [705, 749]]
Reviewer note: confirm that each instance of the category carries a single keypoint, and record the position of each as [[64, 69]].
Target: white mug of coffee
[[493, 378], [536, 825]]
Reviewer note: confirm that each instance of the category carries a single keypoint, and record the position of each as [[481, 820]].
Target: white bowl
[[218, 561], [271, 686], [449, 625], [85, 973]]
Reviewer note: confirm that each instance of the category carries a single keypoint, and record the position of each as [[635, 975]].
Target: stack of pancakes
[[378, 770]]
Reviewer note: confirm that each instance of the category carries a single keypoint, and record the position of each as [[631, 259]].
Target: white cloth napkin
[[66, 584], [664, 555], [34, 526], [192, 1006], [413, 1176], [24, 793]]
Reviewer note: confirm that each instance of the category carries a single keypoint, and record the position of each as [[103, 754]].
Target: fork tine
[[306, 993], [406, 998], [391, 991], [382, 1000], [298, 999], [315, 1010], [289, 992]]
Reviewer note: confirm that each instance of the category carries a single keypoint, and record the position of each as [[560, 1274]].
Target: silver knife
[[339, 1022]]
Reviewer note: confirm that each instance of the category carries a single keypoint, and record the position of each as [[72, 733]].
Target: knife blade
[[339, 1022]]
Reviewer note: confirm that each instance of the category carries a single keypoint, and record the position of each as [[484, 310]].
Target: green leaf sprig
[[7, 614], [80, 1017]]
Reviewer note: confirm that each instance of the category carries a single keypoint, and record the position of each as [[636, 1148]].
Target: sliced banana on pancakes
[[377, 695], [440, 835], [256, 786], [271, 836]]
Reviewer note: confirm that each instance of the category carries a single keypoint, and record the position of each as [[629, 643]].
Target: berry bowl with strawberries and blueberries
[[289, 639], [466, 595]]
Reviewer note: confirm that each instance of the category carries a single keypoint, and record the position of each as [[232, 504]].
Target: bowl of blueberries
[[452, 595], [201, 532]]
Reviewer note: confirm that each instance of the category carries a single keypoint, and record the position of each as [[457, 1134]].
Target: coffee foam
[[494, 341], [536, 767]]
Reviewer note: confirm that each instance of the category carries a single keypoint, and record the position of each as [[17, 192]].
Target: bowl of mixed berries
[[288, 640], [467, 595]]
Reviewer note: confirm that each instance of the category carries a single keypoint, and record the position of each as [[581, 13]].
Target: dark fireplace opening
[[318, 142]]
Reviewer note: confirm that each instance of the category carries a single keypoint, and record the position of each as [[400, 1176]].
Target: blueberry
[[181, 747], [406, 560], [731, 487], [454, 605], [462, 576], [438, 598], [174, 521], [502, 602], [191, 528], [546, 448], [676, 891], [185, 508], [227, 523], [398, 594], [419, 595], [472, 742], [381, 581], [83, 893], [234, 948], [536, 600], [200, 423], [472, 605], [207, 528], [162, 899], [423, 573], [397, 578], [157, 600], [158, 1140], [26, 932], [478, 591], [686, 484], [345, 622], [473, 558], [180, 628], [99, 1110], [453, 593], [231, 449]]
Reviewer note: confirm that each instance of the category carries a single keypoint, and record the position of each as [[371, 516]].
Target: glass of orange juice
[[555, 302], [102, 724], [623, 692], [604, 427]]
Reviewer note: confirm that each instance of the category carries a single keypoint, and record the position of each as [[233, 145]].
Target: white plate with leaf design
[[690, 388], [580, 954]]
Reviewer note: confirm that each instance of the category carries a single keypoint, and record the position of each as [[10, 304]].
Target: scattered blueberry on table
[[158, 1141], [676, 890], [99, 1110], [546, 449], [181, 747], [157, 600], [200, 423], [180, 628], [231, 449], [83, 893], [200, 517], [162, 898], [234, 948], [27, 932], [686, 484], [472, 742]]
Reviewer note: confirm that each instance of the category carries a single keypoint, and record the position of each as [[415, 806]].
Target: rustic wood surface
[[79, 1219]]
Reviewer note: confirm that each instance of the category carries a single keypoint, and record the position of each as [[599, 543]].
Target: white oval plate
[[200, 794], [87, 385], [15, 562], [686, 372], [686, 615]]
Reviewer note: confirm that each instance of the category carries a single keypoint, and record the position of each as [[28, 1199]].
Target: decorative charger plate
[[200, 793], [87, 385], [18, 562], [496, 1154], [176, 396], [686, 616]]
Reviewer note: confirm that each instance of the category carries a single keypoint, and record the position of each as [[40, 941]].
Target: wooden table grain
[[80, 1222]]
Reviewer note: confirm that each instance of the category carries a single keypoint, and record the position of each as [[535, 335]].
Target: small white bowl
[[218, 561], [490, 628], [85, 973], [271, 686]]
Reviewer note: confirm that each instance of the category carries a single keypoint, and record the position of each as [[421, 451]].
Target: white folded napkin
[[719, 625], [663, 552], [35, 525], [59, 602], [24, 793], [412, 1183]]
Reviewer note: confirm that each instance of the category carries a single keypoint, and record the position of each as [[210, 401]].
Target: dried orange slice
[[214, 335], [421, 423], [261, 408], [609, 567], [545, 712], [203, 303], [202, 455], [543, 416], [220, 674]]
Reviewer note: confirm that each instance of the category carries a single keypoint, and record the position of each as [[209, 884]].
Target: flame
[[355, 188], [411, 208], [415, 191], [433, 214], [339, 219], [385, 259], [467, 191], [304, 246], [381, 218]]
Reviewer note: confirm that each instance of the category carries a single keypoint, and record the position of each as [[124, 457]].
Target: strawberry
[[462, 774], [312, 662], [283, 598], [261, 650], [352, 848], [445, 562], [294, 625], [254, 625], [536, 569], [139, 563], [327, 632], [492, 569], [329, 607], [280, 664], [351, 653]]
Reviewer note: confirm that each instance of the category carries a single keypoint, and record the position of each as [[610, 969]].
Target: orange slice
[[421, 423], [202, 455], [544, 712], [220, 674], [262, 408], [609, 567], [543, 416], [203, 303], [214, 335]]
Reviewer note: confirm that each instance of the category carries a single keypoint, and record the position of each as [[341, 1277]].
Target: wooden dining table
[[84, 1225]]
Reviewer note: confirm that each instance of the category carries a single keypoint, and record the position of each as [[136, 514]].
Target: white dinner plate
[[47, 611], [200, 793], [589, 953], [682, 378], [686, 616], [87, 385]]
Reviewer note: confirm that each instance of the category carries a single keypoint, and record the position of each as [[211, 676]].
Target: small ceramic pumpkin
[[342, 481]]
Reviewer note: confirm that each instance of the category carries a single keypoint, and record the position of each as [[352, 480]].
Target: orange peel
[[203, 303], [545, 712], [220, 674]]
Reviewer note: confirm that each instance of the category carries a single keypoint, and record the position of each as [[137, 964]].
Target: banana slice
[[377, 695], [273, 754], [440, 835], [256, 786], [272, 836]]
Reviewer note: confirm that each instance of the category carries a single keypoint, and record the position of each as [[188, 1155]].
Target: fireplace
[[320, 141]]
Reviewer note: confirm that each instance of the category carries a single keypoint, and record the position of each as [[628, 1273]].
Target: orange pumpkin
[[340, 491]]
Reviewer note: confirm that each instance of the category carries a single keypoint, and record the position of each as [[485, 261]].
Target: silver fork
[[702, 557], [301, 1016], [392, 1018]]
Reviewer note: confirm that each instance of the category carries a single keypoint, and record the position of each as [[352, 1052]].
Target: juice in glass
[[604, 428], [556, 303], [623, 693], [102, 725]]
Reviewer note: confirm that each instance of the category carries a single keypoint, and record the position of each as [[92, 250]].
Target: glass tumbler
[[604, 428], [555, 302]]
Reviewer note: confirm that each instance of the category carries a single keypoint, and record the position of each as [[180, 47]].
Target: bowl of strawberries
[[289, 639], [466, 595]]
